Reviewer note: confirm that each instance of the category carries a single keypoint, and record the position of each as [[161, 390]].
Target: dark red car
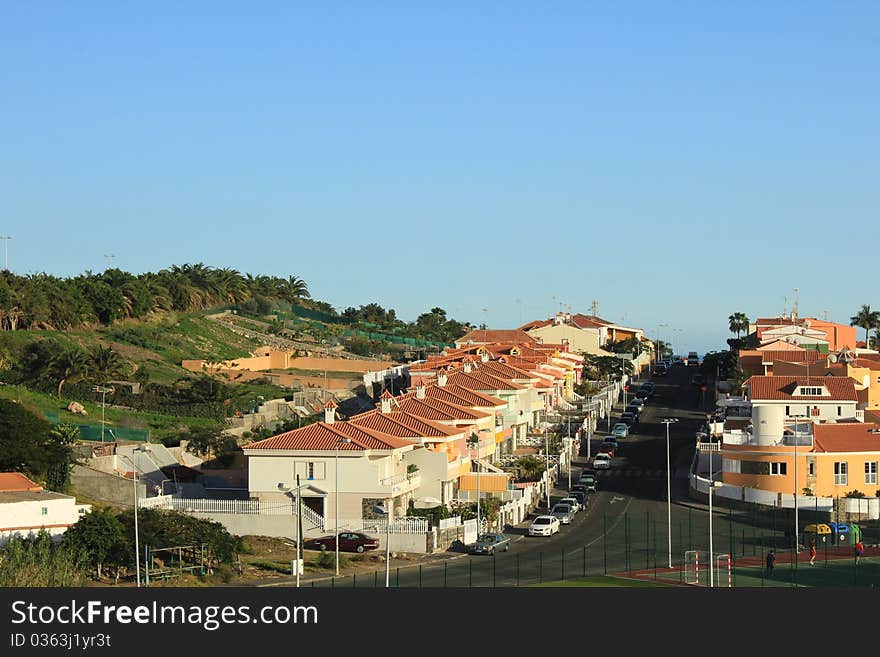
[[348, 542], [607, 448]]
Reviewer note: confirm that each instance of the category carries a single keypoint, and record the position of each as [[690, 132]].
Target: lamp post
[[667, 421], [134, 481], [710, 447], [795, 443], [547, 465], [474, 443], [342, 441], [5, 239], [381, 510], [103, 390]]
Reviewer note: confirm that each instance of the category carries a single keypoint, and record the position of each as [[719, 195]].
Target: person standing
[[771, 559], [859, 548], [813, 552]]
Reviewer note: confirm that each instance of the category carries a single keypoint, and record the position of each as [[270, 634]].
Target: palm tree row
[[42, 301]]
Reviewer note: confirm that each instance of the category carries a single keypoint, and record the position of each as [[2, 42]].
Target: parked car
[[348, 542], [572, 502], [602, 461], [589, 480], [620, 430], [489, 543], [628, 418], [562, 512], [644, 393], [578, 488], [635, 409], [606, 448], [638, 402], [579, 495], [544, 526], [693, 359], [660, 369]]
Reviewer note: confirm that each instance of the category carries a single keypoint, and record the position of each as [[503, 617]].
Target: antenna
[[794, 308], [5, 239], [825, 315], [485, 318], [594, 308], [785, 305], [109, 257]]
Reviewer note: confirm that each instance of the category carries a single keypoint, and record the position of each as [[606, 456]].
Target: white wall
[[27, 517]]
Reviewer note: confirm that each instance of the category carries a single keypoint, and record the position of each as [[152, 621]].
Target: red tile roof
[[434, 409], [848, 437], [403, 425], [480, 380], [496, 335], [15, 482], [505, 370], [793, 356], [870, 363], [323, 436], [454, 394], [782, 387], [538, 323], [872, 416]]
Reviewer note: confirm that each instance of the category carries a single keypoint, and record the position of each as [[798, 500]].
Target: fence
[[204, 505], [634, 545], [377, 525], [446, 523]]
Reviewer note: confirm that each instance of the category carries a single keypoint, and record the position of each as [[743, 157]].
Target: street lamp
[[134, 481], [710, 447], [342, 441], [547, 465], [795, 443], [667, 421], [103, 390], [474, 443], [381, 510]]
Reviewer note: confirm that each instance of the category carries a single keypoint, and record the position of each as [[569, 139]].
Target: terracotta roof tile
[[403, 425], [15, 482], [848, 437], [479, 380], [793, 356], [323, 436], [495, 335], [434, 409], [782, 387]]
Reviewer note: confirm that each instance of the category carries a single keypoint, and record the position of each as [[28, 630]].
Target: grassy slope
[[159, 345]]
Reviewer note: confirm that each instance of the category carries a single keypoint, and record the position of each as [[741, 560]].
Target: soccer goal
[[696, 569]]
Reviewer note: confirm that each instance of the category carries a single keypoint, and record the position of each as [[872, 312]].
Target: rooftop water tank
[[768, 423]]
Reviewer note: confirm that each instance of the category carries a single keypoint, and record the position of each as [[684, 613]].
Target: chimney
[[467, 366], [330, 411], [441, 379], [420, 391], [484, 357], [386, 398]]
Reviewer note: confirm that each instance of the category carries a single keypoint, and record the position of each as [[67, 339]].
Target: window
[[813, 392], [310, 470], [788, 410], [731, 465], [45, 511], [839, 411], [811, 469], [755, 467], [778, 468], [840, 478], [871, 472]]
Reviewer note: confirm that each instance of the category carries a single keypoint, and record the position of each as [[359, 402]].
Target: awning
[[820, 529]]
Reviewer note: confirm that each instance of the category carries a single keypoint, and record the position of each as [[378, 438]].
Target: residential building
[[26, 508], [827, 336], [820, 398]]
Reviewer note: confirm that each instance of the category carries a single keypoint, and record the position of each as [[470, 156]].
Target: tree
[[104, 364], [867, 319], [102, 536], [27, 445], [738, 323], [70, 365]]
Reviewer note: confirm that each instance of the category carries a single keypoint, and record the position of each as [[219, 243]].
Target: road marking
[[617, 499]]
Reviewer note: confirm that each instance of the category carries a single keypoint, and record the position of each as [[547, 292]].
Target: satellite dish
[[832, 358]]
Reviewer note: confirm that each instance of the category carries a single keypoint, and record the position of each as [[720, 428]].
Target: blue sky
[[675, 161]]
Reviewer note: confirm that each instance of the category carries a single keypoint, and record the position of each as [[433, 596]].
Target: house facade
[[26, 509]]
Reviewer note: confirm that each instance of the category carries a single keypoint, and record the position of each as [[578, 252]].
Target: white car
[[544, 526], [572, 502], [602, 462]]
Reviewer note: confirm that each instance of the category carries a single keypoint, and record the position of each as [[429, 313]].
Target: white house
[[25, 508], [820, 398]]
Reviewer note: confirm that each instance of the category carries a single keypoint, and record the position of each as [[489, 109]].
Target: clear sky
[[675, 161]]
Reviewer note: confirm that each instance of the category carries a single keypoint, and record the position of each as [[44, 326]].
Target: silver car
[[563, 513]]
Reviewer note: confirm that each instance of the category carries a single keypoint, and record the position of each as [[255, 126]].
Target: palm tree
[[70, 365], [739, 323], [867, 319], [105, 364], [295, 289]]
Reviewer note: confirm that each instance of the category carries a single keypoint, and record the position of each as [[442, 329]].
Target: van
[[693, 359]]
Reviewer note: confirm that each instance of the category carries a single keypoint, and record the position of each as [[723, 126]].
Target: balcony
[[399, 484]]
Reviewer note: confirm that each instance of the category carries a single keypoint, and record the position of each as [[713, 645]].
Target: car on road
[[660, 369], [606, 448], [489, 543], [628, 418], [573, 502], [562, 512], [579, 495], [589, 480], [640, 403], [620, 430], [698, 380], [634, 409], [693, 359], [644, 393], [578, 488], [602, 461], [348, 542], [544, 526]]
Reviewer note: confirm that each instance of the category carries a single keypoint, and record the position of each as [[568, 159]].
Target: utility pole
[[109, 257], [5, 239]]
